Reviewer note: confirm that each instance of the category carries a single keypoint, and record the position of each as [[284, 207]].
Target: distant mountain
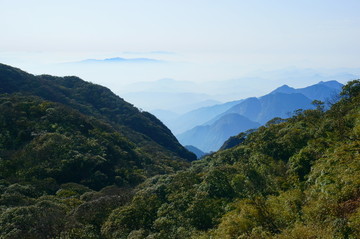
[[195, 150], [281, 102], [198, 117], [211, 137], [280, 105], [268, 107], [121, 60], [322, 91], [284, 89]]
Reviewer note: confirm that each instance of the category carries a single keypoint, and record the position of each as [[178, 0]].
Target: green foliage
[[43, 220], [294, 178], [67, 175], [351, 89], [49, 140], [96, 101], [70, 153]]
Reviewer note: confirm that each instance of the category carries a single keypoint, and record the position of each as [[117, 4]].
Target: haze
[[257, 44]]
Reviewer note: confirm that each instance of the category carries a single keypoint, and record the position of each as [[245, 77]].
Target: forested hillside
[[63, 137], [70, 170], [293, 178], [142, 128]]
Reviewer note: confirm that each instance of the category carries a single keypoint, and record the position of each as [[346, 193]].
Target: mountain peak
[[331, 84], [284, 89]]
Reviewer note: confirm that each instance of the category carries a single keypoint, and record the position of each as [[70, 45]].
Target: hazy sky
[[201, 40]]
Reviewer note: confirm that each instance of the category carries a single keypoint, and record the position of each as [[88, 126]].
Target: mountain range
[[211, 137], [77, 161], [213, 125]]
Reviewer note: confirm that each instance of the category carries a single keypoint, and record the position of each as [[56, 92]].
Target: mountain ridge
[[281, 102], [211, 137], [90, 99]]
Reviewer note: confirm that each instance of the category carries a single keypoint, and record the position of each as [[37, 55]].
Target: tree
[[351, 89]]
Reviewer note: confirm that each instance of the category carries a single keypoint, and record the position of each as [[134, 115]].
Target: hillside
[[102, 139], [142, 128], [66, 174], [294, 178], [50, 144], [71, 152]]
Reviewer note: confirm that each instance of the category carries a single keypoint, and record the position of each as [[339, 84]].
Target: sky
[[196, 40]]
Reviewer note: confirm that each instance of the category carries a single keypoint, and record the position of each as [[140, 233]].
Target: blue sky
[[208, 40]]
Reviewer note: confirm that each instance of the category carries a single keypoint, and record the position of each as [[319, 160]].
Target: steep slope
[[142, 128], [210, 137], [298, 178], [71, 152], [281, 105], [292, 178], [49, 144]]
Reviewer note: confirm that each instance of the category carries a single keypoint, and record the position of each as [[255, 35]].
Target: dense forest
[[74, 164]]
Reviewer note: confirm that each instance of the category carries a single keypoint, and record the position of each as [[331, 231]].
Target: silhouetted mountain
[[249, 108], [195, 150], [282, 102], [267, 107], [281, 105], [198, 117], [211, 137], [284, 89], [322, 91]]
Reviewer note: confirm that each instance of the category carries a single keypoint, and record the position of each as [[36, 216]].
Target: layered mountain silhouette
[[323, 91], [210, 137], [217, 123], [195, 150], [196, 117]]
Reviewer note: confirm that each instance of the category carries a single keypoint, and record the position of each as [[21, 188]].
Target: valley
[[77, 161]]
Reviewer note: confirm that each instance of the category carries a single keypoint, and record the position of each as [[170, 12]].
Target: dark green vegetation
[[293, 178], [62, 138], [142, 128], [67, 175]]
